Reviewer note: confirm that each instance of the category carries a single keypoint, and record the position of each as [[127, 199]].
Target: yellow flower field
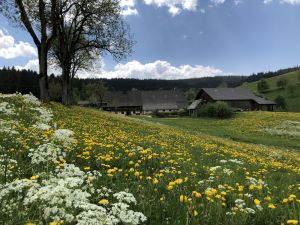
[[176, 177]]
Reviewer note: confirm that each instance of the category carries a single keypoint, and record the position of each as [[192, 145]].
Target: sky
[[178, 39]]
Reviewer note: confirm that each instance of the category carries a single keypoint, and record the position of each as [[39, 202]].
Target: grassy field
[[293, 100], [249, 127], [75, 165]]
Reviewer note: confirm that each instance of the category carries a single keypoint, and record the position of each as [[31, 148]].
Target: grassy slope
[[188, 153], [147, 158], [293, 100], [244, 127]]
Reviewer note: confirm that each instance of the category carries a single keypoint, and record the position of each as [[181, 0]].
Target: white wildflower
[[7, 108], [46, 153], [30, 98], [65, 136]]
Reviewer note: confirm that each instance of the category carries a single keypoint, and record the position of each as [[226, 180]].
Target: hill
[[72, 165], [292, 99]]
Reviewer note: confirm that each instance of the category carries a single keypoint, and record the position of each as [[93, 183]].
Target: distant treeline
[[265, 75], [25, 81]]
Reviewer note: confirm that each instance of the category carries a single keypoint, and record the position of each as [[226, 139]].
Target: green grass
[[245, 127], [293, 100], [178, 176]]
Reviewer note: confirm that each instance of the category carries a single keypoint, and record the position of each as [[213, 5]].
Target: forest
[[26, 81]]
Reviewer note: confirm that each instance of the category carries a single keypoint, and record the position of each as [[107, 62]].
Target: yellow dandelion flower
[[103, 202], [271, 206], [257, 202]]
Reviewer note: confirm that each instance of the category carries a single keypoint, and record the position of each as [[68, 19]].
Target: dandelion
[[257, 202], [183, 198], [271, 206], [155, 181], [103, 202], [294, 222]]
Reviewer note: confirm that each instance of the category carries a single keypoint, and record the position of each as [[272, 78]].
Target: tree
[[39, 18], [190, 95], [87, 30], [281, 83], [262, 86], [96, 91], [280, 102]]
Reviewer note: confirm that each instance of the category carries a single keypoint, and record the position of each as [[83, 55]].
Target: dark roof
[[122, 99], [149, 100], [160, 100], [223, 94], [263, 101]]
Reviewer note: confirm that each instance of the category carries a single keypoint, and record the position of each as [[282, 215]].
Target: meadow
[[72, 165], [278, 129], [292, 99]]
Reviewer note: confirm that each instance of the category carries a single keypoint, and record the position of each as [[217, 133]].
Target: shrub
[[280, 102], [262, 86], [217, 110], [177, 113]]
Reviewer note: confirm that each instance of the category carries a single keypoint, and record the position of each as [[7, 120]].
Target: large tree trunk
[[43, 76], [67, 94]]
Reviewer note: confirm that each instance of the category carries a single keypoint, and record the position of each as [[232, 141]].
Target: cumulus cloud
[[9, 49], [33, 65], [157, 70], [128, 7], [134, 69], [30, 65], [217, 2], [175, 7]]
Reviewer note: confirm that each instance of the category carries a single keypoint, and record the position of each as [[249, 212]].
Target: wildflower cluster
[[51, 190]]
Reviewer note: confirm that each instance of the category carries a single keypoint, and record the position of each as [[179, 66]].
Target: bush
[[177, 113], [217, 110], [280, 102], [262, 86]]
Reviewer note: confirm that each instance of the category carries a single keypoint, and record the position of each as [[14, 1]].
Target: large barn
[[144, 102], [236, 98]]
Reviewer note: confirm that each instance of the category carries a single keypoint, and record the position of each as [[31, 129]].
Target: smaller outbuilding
[[238, 99]]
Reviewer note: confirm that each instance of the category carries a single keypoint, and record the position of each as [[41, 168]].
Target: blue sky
[[190, 38]]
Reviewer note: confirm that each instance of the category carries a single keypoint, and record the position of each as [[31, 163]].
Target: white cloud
[[291, 2], [156, 70], [134, 69], [34, 66], [217, 2], [267, 1], [128, 7], [175, 6], [31, 65], [9, 49], [238, 2]]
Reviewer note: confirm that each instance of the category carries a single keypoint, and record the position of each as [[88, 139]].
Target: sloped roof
[[194, 104], [223, 94], [163, 100], [263, 101], [149, 100], [123, 99]]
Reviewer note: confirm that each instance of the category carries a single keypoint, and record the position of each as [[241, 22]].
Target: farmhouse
[[236, 98], [144, 102]]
